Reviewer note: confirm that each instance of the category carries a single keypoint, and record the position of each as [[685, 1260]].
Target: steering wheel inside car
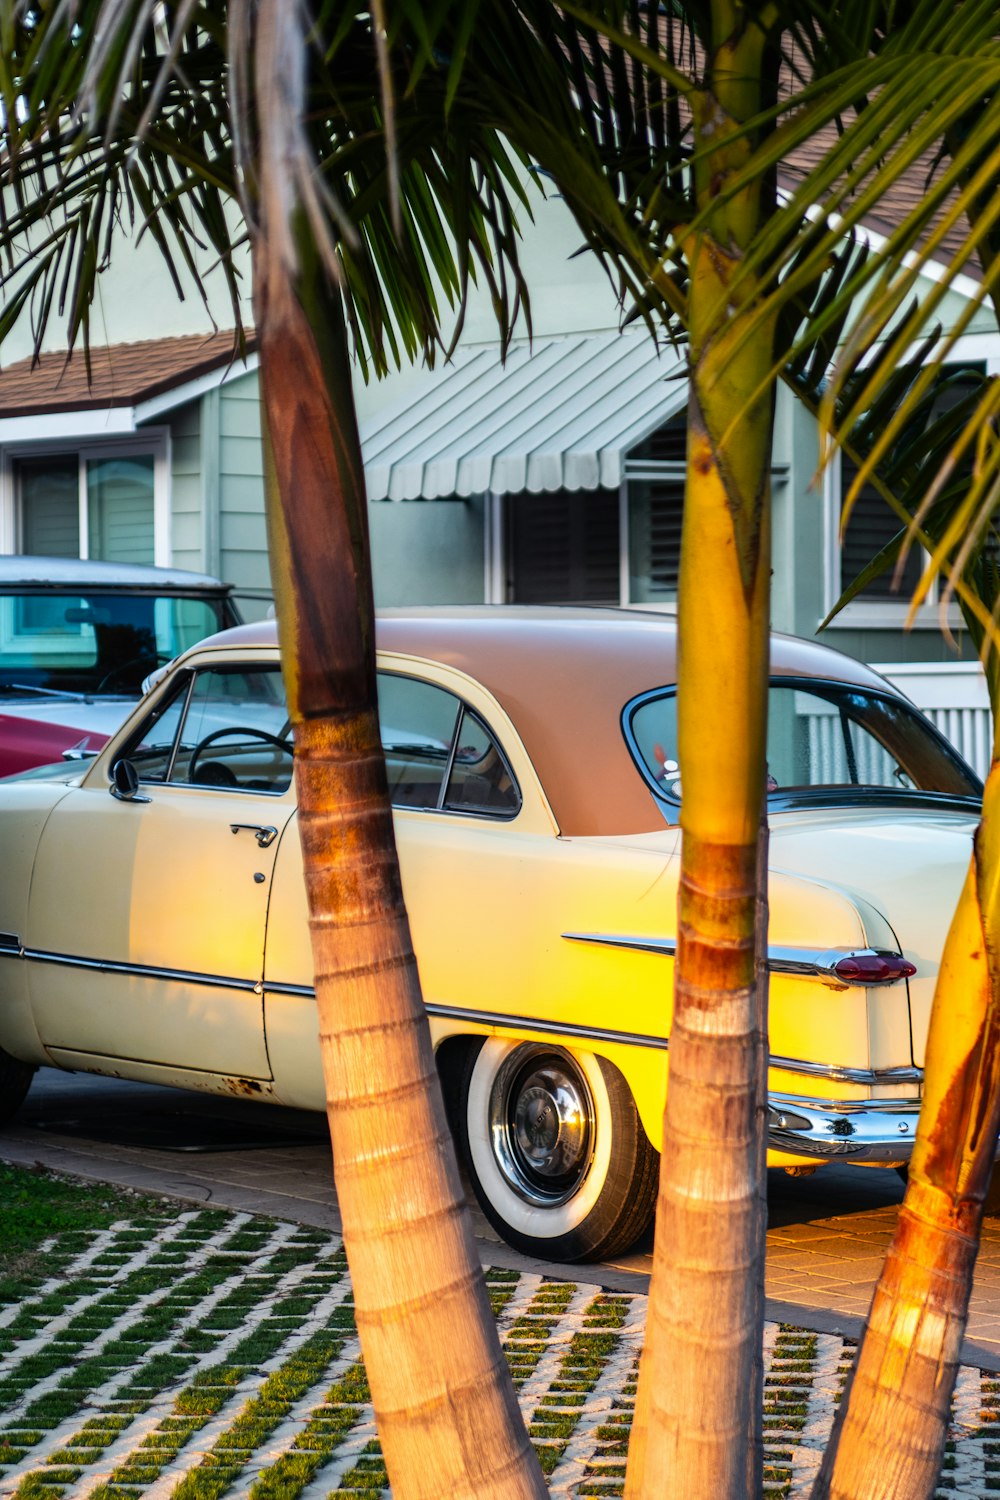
[[210, 774]]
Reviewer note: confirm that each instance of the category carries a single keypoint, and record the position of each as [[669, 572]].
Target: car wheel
[[15, 1080], [556, 1151]]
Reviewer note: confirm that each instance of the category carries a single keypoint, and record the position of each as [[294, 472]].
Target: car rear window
[[822, 738]]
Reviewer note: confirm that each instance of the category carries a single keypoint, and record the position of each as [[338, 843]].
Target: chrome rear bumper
[[857, 1130]]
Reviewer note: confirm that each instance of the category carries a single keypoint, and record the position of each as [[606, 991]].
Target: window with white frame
[[108, 501], [654, 493], [104, 501]]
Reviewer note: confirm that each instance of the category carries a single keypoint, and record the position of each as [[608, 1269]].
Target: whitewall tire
[[555, 1150]]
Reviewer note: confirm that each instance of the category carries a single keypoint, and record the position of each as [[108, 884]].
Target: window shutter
[[871, 526], [563, 547], [667, 445]]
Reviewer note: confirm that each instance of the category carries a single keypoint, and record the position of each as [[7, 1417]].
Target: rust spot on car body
[[244, 1086]]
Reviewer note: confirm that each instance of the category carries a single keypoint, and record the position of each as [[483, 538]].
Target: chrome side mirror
[[125, 782]]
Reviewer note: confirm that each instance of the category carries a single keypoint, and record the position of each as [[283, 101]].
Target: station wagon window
[[821, 737], [223, 728], [439, 754]]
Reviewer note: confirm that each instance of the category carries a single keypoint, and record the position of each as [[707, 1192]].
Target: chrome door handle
[[264, 834]]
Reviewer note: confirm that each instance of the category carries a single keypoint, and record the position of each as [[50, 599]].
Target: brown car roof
[[563, 676]]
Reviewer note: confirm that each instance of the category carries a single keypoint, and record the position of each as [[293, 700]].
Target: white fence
[[953, 696]]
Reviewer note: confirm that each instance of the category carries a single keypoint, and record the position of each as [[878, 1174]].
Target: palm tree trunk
[[447, 1416], [906, 1367], [696, 1434]]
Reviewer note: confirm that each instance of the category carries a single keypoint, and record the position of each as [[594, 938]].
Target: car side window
[[439, 755], [480, 779], [224, 728], [418, 723], [151, 752]]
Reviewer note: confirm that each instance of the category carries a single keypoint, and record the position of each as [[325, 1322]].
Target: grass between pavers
[[209, 1353]]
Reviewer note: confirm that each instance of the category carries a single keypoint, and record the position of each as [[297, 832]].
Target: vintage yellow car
[[153, 926]]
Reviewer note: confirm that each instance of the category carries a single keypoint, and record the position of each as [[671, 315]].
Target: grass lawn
[[37, 1205]]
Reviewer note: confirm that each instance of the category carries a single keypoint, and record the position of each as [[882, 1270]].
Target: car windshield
[[82, 644], [823, 738]]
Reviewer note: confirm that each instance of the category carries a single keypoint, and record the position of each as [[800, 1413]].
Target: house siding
[[242, 531], [428, 552], [186, 543]]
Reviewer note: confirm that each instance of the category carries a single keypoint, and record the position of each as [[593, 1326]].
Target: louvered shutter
[[563, 548], [871, 526], [655, 517]]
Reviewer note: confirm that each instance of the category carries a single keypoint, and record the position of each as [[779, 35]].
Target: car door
[[147, 914]]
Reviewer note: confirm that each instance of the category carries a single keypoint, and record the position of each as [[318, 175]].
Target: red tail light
[[873, 968]]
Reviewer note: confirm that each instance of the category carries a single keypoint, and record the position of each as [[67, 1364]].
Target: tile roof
[[894, 205], [120, 375]]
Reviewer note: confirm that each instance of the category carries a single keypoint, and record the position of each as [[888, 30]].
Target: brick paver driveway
[[827, 1235]]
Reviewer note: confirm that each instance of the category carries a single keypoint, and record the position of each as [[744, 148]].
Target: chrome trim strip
[[9, 942], [558, 1028], [666, 946], [508, 1023], [142, 971], [838, 1073], [814, 963], [835, 1072]]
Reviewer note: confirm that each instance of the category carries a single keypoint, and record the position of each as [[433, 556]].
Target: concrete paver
[[827, 1237], [218, 1352]]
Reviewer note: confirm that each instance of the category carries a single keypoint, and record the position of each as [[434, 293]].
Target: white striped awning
[[561, 414]]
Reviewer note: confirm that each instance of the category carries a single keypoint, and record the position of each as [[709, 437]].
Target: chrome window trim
[[499, 816], [185, 710], [240, 791], [162, 706], [166, 783]]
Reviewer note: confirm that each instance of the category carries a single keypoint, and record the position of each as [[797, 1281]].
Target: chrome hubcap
[[542, 1124]]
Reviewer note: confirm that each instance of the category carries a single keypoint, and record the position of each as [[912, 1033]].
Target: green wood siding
[[242, 535], [185, 488]]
